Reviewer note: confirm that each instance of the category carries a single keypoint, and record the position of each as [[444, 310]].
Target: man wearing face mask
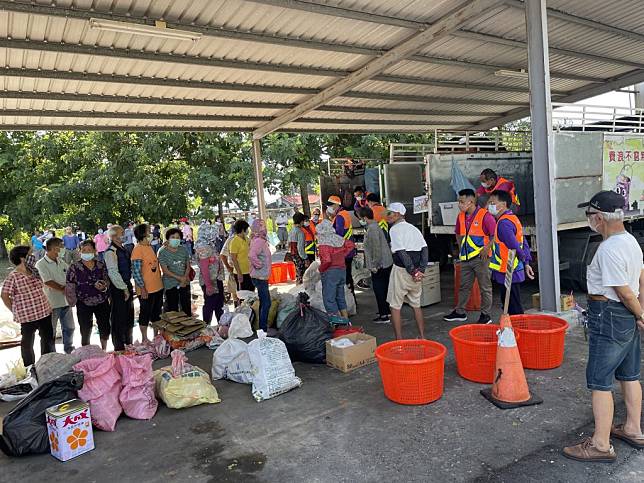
[[343, 227], [474, 233], [361, 199], [53, 272], [509, 236], [615, 280], [119, 269], [282, 232], [491, 182]]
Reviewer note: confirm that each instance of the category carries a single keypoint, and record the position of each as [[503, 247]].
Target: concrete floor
[[340, 427]]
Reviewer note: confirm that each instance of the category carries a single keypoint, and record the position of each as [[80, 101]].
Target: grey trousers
[[479, 270]]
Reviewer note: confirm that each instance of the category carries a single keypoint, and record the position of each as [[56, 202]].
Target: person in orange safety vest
[[490, 182]]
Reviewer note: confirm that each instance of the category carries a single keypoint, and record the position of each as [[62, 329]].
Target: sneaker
[[379, 317], [587, 453], [455, 317], [484, 319], [382, 320]]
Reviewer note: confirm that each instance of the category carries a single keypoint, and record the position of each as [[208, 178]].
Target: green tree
[[292, 163]]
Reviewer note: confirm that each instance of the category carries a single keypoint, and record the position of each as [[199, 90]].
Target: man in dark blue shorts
[[615, 313]]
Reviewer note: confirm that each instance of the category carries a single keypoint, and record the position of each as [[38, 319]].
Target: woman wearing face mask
[[87, 288], [100, 242], [260, 260], [239, 248], [22, 293], [147, 277], [175, 265], [297, 244]]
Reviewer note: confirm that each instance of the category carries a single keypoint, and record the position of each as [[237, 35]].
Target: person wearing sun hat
[[615, 280], [410, 256]]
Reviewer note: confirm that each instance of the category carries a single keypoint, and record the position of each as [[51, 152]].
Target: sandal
[[636, 442]]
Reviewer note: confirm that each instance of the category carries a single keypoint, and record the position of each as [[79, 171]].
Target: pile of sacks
[[115, 384], [264, 363]]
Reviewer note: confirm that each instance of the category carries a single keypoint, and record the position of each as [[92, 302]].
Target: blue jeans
[[333, 282], [613, 345], [67, 325], [264, 302]]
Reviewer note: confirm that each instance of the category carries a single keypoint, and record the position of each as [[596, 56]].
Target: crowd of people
[[100, 276]]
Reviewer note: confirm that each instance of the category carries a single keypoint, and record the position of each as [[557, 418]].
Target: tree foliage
[[89, 179]]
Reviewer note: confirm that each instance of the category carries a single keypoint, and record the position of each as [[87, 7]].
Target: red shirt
[[332, 257], [28, 300]]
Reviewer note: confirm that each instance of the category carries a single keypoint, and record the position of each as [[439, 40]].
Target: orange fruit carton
[[70, 429]]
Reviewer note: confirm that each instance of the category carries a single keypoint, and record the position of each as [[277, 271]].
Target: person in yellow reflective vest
[[379, 211], [308, 228], [343, 226], [509, 236], [491, 182], [474, 233]]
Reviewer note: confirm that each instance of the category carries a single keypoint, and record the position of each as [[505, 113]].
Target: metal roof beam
[[452, 20], [271, 39], [311, 7], [233, 64], [211, 118], [62, 47], [586, 22], [520, 44], [161, 101], [224, 86], [628, 79]]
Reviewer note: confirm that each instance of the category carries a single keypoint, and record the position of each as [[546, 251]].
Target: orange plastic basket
[[475, 350], [412, 370], [540, 340]]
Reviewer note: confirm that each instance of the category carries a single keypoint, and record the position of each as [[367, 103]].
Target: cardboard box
[[70, 429], [567, 302], [349, 358]]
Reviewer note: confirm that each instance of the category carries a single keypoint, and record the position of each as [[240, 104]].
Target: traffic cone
[[510, 388]]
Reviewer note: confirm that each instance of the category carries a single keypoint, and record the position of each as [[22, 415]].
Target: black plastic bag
[[305, 332], [24, 429]]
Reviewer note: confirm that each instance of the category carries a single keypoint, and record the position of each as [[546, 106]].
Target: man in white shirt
[[410, 256], [282, 232], [53, 272], [615, 311]]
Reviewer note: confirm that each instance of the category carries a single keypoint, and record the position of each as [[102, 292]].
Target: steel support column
[[258, 165], [543, 153]]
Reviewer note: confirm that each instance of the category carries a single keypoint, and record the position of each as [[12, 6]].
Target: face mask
[[359, 198], [316, 217], [100, 231], [306, 223], [493, 210], [87, 256], [330, 211], [363, 222], [174, 242]]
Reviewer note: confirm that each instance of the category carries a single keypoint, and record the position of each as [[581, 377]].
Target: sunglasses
[[588, 213]]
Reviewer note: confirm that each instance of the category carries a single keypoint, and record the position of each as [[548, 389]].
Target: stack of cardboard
[[179, 324]]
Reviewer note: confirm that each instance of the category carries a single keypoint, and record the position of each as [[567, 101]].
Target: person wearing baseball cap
[[410, 256], [343, 226], [615, 280]]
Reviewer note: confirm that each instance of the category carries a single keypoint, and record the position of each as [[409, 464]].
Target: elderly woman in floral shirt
[[88, 289], [211, 271]]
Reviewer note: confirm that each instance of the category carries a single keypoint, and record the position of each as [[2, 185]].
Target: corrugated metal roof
[[257, 59]]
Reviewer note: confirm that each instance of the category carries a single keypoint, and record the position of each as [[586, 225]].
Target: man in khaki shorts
[[410, 260]]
